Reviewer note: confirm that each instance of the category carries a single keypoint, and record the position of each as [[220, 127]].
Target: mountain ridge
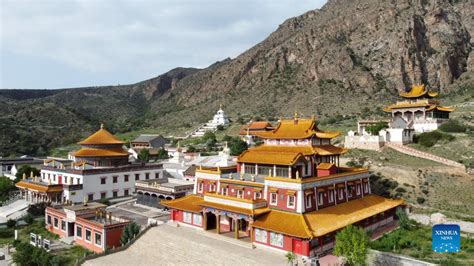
[[344, 54]]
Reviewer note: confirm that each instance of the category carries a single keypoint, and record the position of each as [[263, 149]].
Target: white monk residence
[[100, 169]]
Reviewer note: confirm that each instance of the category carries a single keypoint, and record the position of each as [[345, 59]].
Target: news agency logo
[[446, 238]]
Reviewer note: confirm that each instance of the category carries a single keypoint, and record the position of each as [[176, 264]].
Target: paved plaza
[[169, 245]]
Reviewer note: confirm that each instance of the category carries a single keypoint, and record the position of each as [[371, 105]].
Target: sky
[[49, 44]]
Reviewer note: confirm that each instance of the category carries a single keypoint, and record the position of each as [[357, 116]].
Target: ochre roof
[[287, 223], [188, 203], [225, 207], [93, 152], [267, 157], [418, 91], [440, 108], [102, 136], [325, 166], [296, 129], [336, 217], [286, 155], [39, 187], [429, 107], [259, 125]]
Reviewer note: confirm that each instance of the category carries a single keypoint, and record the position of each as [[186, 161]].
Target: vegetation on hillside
[[429, 139], [352, 244]]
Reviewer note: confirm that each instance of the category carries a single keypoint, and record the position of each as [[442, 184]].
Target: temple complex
[[418, 112], [288, 194], [99, 170], [419, 109]]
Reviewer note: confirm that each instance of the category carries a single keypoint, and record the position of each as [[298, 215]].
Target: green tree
[[191, 148], [144, 155], [26, 255], [227, 138], [375, 128], [130, 232], [209, 135], [403, 219], [237, 146], [29, 219], [291, 257], [26, 169], [162, 154], [352, 244], [220, 127], [11, 223], [6, 185]]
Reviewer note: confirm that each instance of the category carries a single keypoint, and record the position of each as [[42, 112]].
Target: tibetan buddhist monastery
[[100, 169], [249, 133], [288, 194], [420, 109]]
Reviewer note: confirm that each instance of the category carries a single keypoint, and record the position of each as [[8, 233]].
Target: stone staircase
[[424, 155]]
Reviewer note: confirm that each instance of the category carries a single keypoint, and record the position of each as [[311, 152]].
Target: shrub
[[220, 127], [26, 169], [428, 139], [352, 244], [37, 209], [401, 190], [420, 200], [130, 232], [425, 191], [6, 233], [11, 223], [104, 201], [29, 219], [374, 129], [453, 126]]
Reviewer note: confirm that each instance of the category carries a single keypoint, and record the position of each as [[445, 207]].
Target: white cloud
[[130, 40]]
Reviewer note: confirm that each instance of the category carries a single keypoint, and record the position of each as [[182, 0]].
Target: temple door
[[60, 179], [297, 246]]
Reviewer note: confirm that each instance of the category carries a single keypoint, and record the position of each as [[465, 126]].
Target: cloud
[[127, 41]]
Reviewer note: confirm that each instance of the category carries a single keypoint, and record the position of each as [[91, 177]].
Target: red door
[[297, 246], [60, 179]]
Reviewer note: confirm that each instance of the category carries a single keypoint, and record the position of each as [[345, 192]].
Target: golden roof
[[286, 155], [325, 166], [267, 157], [101, 137], [188, 203], [93, 152], [429, 107], [418, 91], [440, 108], [336, 217], [287, 223], [39, 187], [296, 129], [225, 207]]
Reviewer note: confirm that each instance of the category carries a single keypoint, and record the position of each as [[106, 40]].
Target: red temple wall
[[282, 202]]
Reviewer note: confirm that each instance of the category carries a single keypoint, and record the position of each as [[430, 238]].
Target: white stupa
[[219, 119]]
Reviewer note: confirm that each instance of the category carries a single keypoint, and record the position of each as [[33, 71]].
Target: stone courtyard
[[166, 245]]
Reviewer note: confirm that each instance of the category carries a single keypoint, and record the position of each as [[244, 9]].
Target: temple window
[[349, 191], [157, 175], [357, 189], [200, 187], [273, 198], [257, 195], [125, 178], [114, 194], [260, 235], [114, 179], [225, 191], [240, 193], [125, 192], [212, 188], [309, 200], [79, 231], [88, 235], [147, 176], [63, 226], [341, 193], [331, 196], [264, 170], [276, 239], [103, 195], [249, 169], [187, 217], [291, 201], [280, 171], [56, 222], [90, 197], [366, 187], [320, 200], [103, 180], [48, 220], [98, 239], [137, 176]]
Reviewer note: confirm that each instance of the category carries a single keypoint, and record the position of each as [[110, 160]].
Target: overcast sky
[[61, 43]]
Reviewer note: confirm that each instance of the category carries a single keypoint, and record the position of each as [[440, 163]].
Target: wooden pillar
[[251, 233], [218, 224], [236, 228], [204, 219]]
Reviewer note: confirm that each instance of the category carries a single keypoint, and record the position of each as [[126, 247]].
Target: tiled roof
[[102, 136], [259, 125], [146, 138], [288, 223], [325, 166], [39, 186], [93, 152], [336, 217], [269, 157], [428, 106], [189, 203], [418, 91], [296, 129], [225, 207], [329, 150]]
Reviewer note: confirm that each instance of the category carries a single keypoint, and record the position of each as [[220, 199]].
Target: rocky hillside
[[350, 57]]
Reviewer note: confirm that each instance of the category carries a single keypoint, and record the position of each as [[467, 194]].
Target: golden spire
[[296, 115]]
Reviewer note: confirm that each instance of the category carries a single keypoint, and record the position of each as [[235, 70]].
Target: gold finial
[[296, 115], [102, 126]]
